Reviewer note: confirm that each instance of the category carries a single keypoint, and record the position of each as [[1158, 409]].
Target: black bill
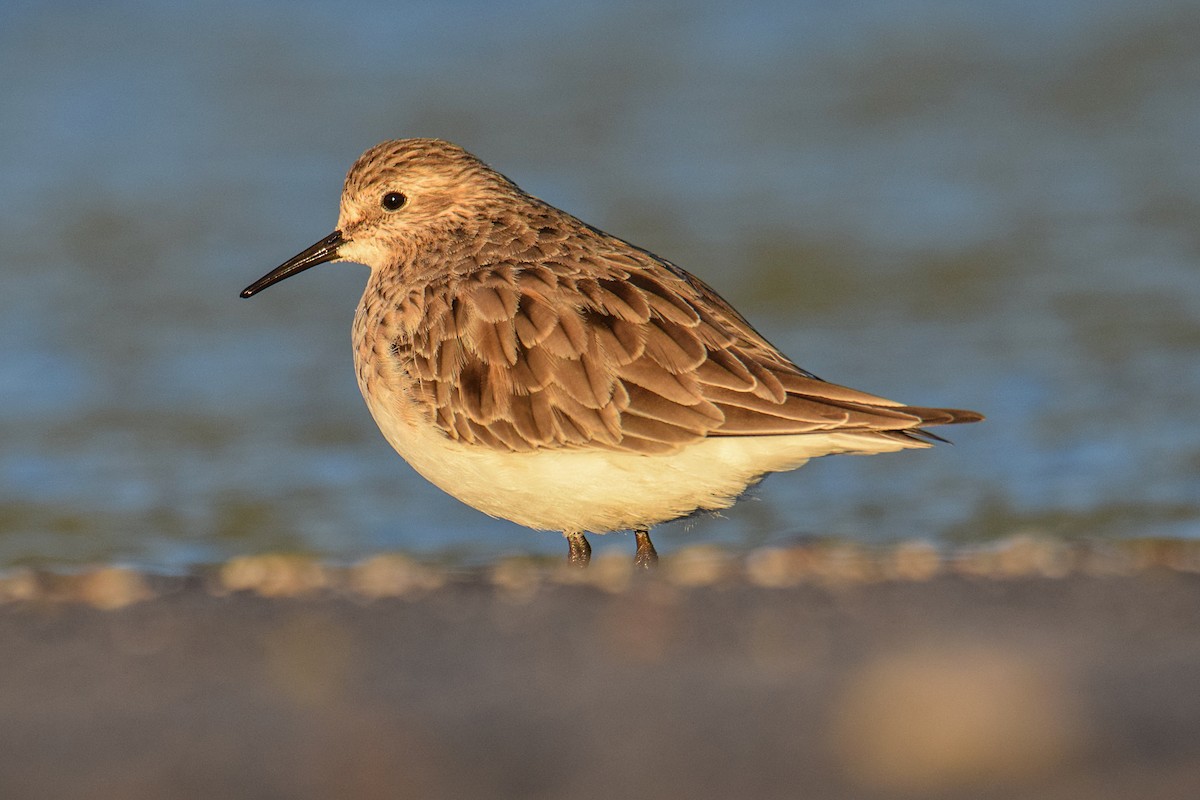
[[321, 252]]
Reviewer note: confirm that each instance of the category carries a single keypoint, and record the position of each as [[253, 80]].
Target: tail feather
[[937, 416], [943, 416]]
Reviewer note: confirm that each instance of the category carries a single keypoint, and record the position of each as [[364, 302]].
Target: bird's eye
[[392, 201]]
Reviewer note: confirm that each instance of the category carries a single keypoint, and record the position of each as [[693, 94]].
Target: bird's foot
[[581, 552], [647, 556]]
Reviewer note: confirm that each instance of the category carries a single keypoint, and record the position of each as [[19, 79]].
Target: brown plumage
[[496, 324]]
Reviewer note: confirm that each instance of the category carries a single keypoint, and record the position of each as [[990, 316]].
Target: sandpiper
[[545, 372]]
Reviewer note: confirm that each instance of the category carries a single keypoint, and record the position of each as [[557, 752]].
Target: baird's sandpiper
[[548, 373]]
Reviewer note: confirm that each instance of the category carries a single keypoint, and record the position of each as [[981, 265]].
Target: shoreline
[[826, 563]]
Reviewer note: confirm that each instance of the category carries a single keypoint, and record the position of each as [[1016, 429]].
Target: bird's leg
[[581, 552], [647, 556]]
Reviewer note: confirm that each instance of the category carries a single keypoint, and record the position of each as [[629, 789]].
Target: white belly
[[599, 490]]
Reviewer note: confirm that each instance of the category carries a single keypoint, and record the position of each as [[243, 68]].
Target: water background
[[991, 206]]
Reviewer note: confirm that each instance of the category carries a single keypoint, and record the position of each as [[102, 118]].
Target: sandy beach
[[718, 678]]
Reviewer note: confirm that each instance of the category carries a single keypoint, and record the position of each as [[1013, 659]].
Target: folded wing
[[611, 347]]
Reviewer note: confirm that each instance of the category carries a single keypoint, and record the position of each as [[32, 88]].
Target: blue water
[[991, 206]]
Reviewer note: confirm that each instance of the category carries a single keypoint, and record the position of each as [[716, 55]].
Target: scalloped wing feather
[[612, 347]]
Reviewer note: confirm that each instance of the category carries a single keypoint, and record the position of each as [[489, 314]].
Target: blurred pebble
[[517, 578], [700, 565], [393, 575], [1019, 556], [913, 561], [953, 718], [273, 575], [1027, 555], [845, 564], [110, 588], [17, 584], [773, 567]]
